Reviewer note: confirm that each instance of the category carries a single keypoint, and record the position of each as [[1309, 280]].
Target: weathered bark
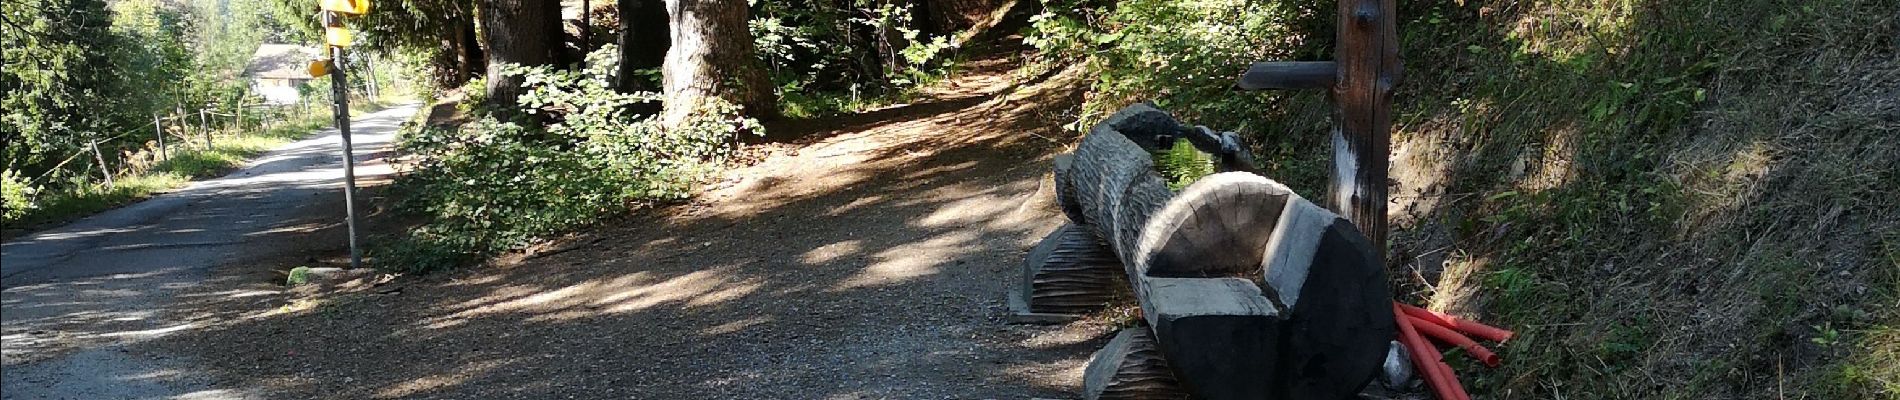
[[643, 43], [461, 41], [521, 32], [1130, 367], [712, 56], [1367, 46], [1065, 188]]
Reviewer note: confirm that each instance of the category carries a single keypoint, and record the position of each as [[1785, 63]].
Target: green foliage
[[491, 186], [1183, 56], [85, 70], [297, 276], [831, 56], [15, 195]]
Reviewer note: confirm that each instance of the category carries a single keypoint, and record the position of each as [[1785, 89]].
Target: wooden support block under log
[[1130, 367], [1289, 75], [1070, 272], [1331, 290]]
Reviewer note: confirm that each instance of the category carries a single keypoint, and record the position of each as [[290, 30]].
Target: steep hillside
[[1670, 198], [1667, 198]]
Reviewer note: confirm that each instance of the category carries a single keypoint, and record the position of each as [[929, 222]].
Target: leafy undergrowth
[[489, 186], [1666, 198], [30, 205]]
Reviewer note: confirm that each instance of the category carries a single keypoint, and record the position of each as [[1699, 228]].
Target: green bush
[[491, 186], [1184, 57], [15, 195]]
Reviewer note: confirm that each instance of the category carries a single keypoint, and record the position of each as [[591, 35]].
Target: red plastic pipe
[[1446, 335], [1451, 379], [1468, 327], [1425, 358]]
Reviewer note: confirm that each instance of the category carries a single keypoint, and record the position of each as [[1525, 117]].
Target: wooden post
[[1360, 81], [339, 88], [158, 130], [103, 170], [204, 128], [1368, 69]]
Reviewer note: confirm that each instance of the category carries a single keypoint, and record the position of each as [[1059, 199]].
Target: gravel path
[[868, 260], [81, 301]]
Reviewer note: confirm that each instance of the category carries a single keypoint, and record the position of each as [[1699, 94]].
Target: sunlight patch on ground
[[151, 332], [831, 252], [1550, 168], [625, 293], [912, 260], [425, 384]]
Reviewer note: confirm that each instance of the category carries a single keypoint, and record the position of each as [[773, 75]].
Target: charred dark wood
[[1335, 304], [1065, 188], [1221, 337], [1289, 75], [1070, 272], [1132, 368]]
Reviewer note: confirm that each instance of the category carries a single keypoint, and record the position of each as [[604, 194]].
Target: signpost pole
[[339, 89]]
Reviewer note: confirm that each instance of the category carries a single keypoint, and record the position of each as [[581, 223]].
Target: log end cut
[[1337, 308]]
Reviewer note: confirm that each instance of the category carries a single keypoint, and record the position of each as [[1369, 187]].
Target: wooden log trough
[[1247, 290]]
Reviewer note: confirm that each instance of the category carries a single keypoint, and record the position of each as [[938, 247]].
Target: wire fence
[[176, 128]]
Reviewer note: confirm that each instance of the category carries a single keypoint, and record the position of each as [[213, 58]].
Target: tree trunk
[[712, 56], [521, 32], [464, 57], [643, 43]]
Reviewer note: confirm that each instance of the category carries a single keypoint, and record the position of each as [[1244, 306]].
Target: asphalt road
[[78, 299]]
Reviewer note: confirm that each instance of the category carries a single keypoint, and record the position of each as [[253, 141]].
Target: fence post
[[158, 129], [103, 170], [204, 128]]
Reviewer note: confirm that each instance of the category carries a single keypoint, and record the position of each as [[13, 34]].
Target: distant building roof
[[281, 61]]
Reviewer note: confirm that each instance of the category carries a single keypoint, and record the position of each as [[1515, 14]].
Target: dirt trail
[[869, 260]]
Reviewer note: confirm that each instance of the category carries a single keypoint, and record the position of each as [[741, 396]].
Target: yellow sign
[[339, 37], [351, 7], [319, 67]]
